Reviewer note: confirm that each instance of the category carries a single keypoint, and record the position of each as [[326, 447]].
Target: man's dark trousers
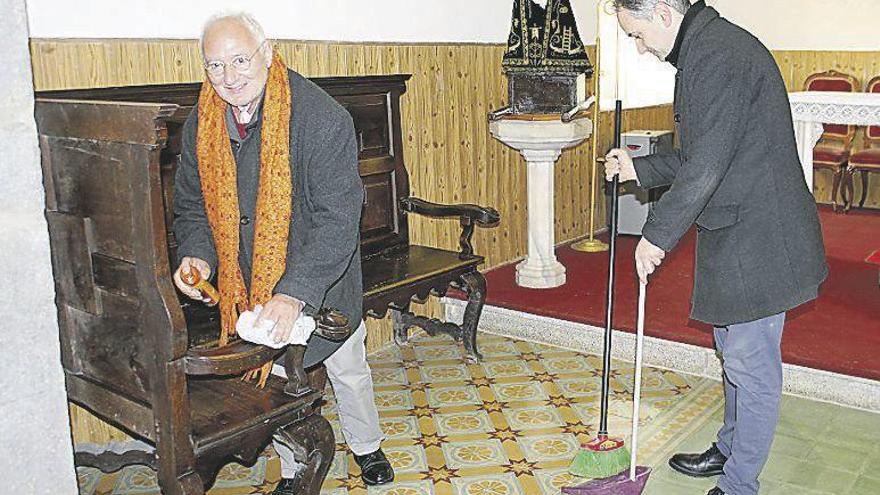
[[752, 362]]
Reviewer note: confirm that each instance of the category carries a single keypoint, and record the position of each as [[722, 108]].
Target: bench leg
[[475, 285], [311, 441], [401, 325]]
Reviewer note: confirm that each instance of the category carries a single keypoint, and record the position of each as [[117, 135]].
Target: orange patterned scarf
[[217, 171]]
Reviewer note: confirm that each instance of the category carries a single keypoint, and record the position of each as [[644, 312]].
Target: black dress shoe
[[375, 468], [288, 486], [709, 463], [715, 491]]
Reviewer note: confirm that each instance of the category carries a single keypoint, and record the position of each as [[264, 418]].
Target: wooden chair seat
[[215, 418], [408, 266]]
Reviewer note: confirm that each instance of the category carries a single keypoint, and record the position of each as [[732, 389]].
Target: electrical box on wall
[[635, 202]]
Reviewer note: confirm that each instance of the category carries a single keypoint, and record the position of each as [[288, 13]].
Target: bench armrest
[[468, 215]]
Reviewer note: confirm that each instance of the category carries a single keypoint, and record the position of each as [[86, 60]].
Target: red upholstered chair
[[832, 151], [865, 160]]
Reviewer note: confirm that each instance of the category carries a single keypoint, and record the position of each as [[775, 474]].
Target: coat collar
[[696, 18]]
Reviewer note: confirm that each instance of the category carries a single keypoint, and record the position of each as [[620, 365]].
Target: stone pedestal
[[540, 142]]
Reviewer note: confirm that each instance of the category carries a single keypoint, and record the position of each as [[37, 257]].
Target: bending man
[[738, 177]]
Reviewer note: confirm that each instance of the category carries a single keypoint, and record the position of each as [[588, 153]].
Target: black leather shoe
[[288, 486], [709, 463], [375, 468], [715, 491]]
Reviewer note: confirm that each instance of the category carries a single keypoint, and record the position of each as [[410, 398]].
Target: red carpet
[[839, 332]]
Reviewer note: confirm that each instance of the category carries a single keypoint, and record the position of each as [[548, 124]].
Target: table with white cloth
[[811, 109]]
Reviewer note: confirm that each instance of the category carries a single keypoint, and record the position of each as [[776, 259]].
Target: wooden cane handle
[[194, 279]]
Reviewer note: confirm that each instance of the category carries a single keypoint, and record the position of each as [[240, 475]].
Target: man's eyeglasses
[[240, 63]]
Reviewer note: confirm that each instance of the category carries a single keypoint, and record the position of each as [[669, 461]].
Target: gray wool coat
[[323, 252], [738, 177]]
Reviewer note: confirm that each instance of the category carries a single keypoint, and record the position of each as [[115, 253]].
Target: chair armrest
[[240, 356], [468, 215]]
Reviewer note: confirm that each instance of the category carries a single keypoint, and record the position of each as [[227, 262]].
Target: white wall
[[482, 21], [781, 24], [334, 20], [35, 445]]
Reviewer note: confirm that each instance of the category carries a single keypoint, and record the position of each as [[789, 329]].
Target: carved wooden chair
[[133, 355], [832, 152], [865, 160]]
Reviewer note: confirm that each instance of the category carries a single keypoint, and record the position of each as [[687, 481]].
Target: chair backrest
[[119, 321], [834, 81], [872, 133]]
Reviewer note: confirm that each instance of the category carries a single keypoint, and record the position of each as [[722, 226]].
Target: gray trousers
[[752, 362], [352, 384]]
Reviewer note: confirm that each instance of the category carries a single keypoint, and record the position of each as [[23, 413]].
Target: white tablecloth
[[811, 109]]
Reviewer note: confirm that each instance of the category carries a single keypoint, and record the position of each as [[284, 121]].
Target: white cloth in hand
[[261, 334]]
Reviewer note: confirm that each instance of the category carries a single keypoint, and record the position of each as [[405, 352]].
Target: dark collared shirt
[[692, 12]]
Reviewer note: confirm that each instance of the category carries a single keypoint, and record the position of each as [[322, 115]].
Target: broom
[[605, 456], [632, 483]]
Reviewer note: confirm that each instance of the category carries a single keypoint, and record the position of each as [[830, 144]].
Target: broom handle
[[612, 250], [637, 391]]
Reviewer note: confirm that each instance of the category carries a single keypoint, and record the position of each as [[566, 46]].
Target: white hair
[[243, 18]]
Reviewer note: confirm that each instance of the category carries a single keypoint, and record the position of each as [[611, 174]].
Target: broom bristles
[[599, 464]]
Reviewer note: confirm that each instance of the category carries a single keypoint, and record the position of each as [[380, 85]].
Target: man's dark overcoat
[[736, 175], [323, 248]]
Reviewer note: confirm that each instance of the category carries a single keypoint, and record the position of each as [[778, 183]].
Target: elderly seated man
[[268, 196]]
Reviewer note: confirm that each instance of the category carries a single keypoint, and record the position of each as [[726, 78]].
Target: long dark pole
[[612, 250]]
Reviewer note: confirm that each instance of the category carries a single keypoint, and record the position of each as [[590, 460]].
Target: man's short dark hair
[[645, 8]]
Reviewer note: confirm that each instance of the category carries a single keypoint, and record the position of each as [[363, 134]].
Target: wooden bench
[[143, 358]]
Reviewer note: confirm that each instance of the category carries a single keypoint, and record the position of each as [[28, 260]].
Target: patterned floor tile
[[551, 481], [573, 364], [506, 368], [499, 484], [549, 447], [473, 454], [236, 475], [579, 387], [423, 487], [339, 468], [437, 353], [389, 376], [408, 459], [500, 348], [440, 373], [453, 396], [510, 392], [463, 423], [386, 355], [533, 418], [393, 400], [511, 424], [136, 480], [400, 428]]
